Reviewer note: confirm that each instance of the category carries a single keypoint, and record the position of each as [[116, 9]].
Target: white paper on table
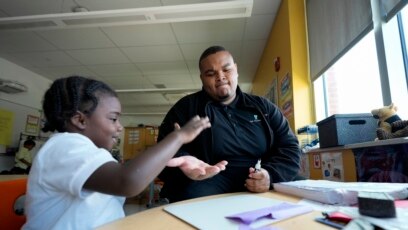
[[211, 214], [339, 193]]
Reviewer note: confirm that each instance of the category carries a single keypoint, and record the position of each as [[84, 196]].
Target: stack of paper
[[339, 193]]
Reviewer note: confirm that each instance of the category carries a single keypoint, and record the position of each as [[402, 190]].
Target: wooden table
[[157, 218], [12, 177]]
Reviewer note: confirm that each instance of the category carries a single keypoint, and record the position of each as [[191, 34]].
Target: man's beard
[[223, 98]]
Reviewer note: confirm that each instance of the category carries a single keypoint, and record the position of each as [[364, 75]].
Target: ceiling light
[[166, 90], [80, 9], [148, 15]]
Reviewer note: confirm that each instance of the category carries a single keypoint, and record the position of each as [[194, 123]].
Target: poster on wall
[[272, 93], [287, 108], [332, 166], [285, 87], [6, 126], [285, 96], [304, 166], [32, 124], [316, 161]]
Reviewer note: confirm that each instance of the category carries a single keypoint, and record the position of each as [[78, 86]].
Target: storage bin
[[343, 129]]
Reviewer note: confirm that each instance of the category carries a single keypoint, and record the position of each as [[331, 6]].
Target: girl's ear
[[79, 120]]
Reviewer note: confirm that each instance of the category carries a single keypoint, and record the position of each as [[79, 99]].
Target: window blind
[[333, 28], [392, 7]]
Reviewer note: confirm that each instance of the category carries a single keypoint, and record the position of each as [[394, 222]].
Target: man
[[244, 129], [23, 158]]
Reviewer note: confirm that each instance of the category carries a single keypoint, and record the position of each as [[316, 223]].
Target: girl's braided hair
[[68, 95]]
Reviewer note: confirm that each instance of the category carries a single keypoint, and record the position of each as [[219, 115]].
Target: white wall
[[25, 103], [36, 84], [30, 102], [21, 104], [6, 162]]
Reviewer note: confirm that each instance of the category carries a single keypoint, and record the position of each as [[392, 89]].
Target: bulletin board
[[272, 93], [6, 126], [18, 124], [286, 96]]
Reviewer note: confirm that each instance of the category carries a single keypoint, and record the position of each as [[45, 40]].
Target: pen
[[258, 166]]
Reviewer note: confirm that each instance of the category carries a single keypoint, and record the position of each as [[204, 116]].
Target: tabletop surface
[[12, 177], [157, 218]]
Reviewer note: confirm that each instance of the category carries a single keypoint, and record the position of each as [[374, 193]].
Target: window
[[397, 31], [352, 84]]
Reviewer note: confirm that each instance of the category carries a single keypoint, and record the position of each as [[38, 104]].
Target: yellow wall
[[288, 41]]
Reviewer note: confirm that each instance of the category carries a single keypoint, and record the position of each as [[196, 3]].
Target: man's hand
[[258, 181], [196, 169]]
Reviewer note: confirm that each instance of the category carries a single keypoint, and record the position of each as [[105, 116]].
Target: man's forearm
[[25, 162]]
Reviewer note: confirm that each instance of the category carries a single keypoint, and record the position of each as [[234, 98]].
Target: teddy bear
[[390, 124]]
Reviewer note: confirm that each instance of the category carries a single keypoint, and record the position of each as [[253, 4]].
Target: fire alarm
[[276, 63]]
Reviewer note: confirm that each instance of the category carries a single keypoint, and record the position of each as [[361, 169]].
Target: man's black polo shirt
[[238, 134]]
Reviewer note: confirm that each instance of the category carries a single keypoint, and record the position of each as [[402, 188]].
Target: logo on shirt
[[255, 119]]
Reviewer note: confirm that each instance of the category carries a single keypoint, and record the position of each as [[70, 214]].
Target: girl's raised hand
[[192, 128]]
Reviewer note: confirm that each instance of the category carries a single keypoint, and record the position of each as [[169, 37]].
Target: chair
[[10, 191]]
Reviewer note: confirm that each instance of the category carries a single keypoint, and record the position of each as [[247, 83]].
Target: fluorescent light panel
[[149, 15], [166, 90]]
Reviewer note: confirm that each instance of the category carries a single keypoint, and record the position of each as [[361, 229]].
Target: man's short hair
[[29, 142], [209, 51]]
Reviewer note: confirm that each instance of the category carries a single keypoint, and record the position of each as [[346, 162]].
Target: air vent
[[8, 86], [160, 86]]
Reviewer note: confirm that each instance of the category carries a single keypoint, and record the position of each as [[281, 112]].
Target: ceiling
[[155, 63]]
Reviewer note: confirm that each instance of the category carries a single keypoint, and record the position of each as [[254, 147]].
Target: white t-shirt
[[55, 196]]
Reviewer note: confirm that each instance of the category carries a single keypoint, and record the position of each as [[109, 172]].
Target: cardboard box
[[343, 129]]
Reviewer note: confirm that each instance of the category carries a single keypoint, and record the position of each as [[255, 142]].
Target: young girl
[[74, 182]]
